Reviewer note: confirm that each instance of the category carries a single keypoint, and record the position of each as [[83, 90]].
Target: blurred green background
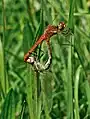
[[62, 91]]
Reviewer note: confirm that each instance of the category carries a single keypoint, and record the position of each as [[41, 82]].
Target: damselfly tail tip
[[61, 26]]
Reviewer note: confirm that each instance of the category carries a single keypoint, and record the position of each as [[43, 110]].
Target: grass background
[[61, 92]]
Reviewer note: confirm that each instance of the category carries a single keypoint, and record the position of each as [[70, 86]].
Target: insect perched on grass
[[50, 31]]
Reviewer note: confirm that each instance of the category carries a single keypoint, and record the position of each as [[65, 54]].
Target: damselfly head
[[61, 26]]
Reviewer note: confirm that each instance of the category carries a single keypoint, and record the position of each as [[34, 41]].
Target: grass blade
[[8, 110], [2, 75], [76, 85], [70, 51]]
